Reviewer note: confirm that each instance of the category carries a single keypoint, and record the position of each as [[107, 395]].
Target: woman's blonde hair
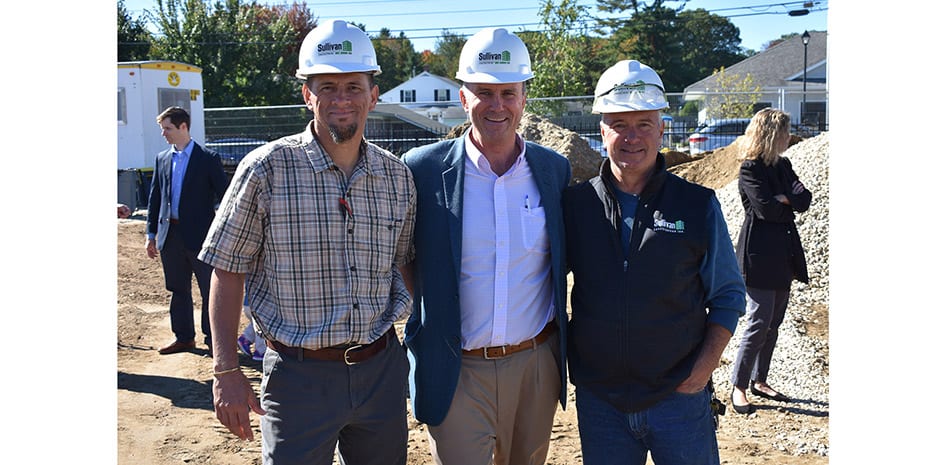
[[760, 137]]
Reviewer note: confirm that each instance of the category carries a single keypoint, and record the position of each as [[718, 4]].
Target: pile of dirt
[[584, 160], [713, 169]]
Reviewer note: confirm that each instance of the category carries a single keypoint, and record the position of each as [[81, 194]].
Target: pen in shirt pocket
[[527, 206]]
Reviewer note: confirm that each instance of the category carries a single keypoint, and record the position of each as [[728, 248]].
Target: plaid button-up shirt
[[320, 251]]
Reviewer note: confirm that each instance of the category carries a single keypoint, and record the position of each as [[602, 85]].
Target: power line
[[592, 22]]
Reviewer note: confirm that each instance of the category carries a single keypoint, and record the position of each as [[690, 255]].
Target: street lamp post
[[805, 46]]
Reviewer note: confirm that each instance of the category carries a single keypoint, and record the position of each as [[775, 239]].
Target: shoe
[[245, 345], [742, 409], [177, 346], [257, 356], [780, 397]]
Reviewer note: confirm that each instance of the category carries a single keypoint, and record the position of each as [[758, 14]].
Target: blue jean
[[678, 430]]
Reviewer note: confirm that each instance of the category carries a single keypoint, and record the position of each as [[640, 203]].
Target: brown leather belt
[[490, 353], [174, 221], [351, 355]]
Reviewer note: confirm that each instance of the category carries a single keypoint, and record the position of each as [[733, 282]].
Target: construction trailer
[[145, 89]]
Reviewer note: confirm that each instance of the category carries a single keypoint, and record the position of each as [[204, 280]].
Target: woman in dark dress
[[769, 250]]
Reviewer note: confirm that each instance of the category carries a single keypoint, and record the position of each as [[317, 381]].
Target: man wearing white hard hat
[[657, 291], [486, 338], [318, 225]]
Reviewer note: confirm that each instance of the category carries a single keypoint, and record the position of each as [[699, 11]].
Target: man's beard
[[342, 134]]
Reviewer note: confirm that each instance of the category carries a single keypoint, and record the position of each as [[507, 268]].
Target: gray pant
[[313, 404], [765, 311]]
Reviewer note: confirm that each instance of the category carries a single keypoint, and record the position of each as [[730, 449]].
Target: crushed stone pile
[[800, 366]]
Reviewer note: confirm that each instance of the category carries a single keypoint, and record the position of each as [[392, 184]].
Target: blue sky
[[423, 20]]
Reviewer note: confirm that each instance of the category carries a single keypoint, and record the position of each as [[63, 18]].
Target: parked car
[[233, 149], [716, 134]]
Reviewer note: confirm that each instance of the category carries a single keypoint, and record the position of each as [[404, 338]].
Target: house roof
[[442, 79], [778, 66], [395, 111]]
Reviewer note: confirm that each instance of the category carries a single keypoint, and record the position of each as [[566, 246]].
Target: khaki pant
[[503, 410]]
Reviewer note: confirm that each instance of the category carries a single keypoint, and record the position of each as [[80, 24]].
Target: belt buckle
[[486, 353], [346, 355]]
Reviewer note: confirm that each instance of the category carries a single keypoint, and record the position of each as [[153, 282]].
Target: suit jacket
[[433, 334], [769, 249], [204, 184]]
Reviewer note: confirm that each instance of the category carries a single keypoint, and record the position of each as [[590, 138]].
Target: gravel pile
[[800, 366]]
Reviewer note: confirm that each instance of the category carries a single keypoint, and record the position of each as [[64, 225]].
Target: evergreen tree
[[682, 46], [133, 39]]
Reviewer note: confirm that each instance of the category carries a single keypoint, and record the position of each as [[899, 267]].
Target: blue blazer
[[432, 333], [204, 184]]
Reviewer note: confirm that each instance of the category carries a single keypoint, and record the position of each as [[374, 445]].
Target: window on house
[[441, 95], [407, 95]]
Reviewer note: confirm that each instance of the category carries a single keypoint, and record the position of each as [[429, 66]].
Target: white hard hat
[[336, 47], [494, 56], [629, 86]]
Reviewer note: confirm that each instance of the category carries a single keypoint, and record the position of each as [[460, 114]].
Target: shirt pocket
[[534, 236], [379, 241]]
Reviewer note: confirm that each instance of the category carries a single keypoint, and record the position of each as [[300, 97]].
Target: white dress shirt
[[505, 273]]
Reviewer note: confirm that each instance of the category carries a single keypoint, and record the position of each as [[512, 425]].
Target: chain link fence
[[236, 131]]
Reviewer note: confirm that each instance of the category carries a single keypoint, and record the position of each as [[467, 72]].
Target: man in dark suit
[[487, 336], [188, 183]]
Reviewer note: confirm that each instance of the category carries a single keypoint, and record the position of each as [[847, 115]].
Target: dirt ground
[[164, 403]]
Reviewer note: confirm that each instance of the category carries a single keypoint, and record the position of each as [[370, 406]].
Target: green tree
[[709, 42], [133, 39], [733, 97], [651, 34], [446, 56], [689, 108], [682, 46], [601, 59], [248, 52], [397, 57], [558, 52]]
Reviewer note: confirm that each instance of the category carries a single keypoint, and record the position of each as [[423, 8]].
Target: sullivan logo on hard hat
[[639, 85], [327, 48], [494, 58]]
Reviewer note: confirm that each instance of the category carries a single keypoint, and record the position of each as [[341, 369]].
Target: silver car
[[716, 134]]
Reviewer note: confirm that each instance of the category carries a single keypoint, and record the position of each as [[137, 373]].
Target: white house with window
[[430, 95]]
